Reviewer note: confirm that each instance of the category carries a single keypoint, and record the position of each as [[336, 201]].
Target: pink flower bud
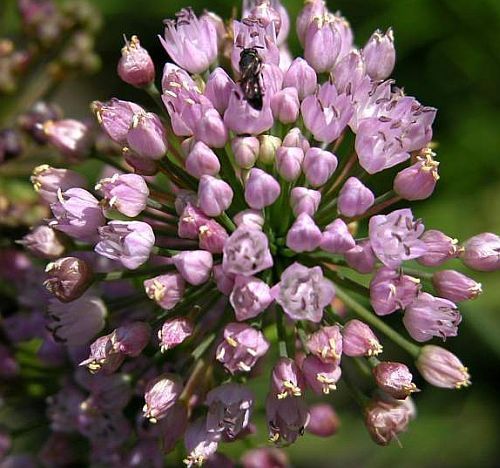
[[218, 89], [354, 198], [359, 340], [212, 236], [336, 238], [301, 76], [395, 379], [44, 242], [295, 138], [324, 421], [269, 144], [194, 266], [129, 242], [326, 344], [265, 457], [303, 200], [285, 105], [174, 332], [147, 136], [131, 339], [289, 162], [211, 129], [310, 10], [202, 161], [140, 165], [261, 189], [287, 379], [482, 252], [128, 193], [71, 137], [249, 218], [47, 181], [250, 296], [439, 248], [322, 35], [380, 55], [320, 376], [224, 282], [441, 368], [190, 221], [455, 286], [166, 290], [161, 394], [214, 195], [136, 66], [361, 257], [242, 118], [318, 166], [68, 278], [349, 73], [304, 235], [246, 151], [418, 181], [428, 316]]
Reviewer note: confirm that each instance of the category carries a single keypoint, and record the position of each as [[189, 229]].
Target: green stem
[[228, 173], [355, 392], [161, 207], [425, 275], [281, 331], [371, 319], [227, 222], [172, 169], [123, 274]]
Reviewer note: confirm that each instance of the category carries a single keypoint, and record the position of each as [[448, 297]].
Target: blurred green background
[[449, 57]]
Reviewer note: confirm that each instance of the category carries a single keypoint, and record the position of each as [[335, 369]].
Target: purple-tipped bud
[[129, 242], [287, 418], [194, 266], [261, 189], [135, 66], [229, 409], [246, 151], [223, 281], [326, 344], [359, 340], [304, 235], [418, 181], [289, 162], [303, 200], [71, 137], [161, 394], [147, 136], [385, 420], [349, 73], [265, 457], [76, 322], [190, 221], [304, 292], [44, 242], [166, 290], [320, 376], [287, 379], [47, 181], [285, 105], [241, 347], [311, 9], [127, 193], [395, 379], [212, 236], [327, 113], [174, 332], [250, 296], [249, 218], [214, 195], [302, 77], [318, 166], [269, 144], [428, 316], [200, 443], [354, 198], [380, 55], [218, 89], [336, 238], [211, 129], [361, 257], [295, 138], [441, 368], [191, 42], [202, 161], [77, 213], [390, 290], [68, 278], [324, 421], [439, 248], [482, 252], [455, 286], [322, 35]]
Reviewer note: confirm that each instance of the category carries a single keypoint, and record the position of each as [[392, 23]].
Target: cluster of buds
[[236, 233]]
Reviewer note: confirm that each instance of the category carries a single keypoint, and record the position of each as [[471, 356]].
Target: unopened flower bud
[[482, 252], [354, 198], [246, 151], [161, 394], [318, 166], [440, 248], [194, 266], [47, 181], [395, 379], [295, 138], [140, 165], [349, 72], [250, 296], [261, 189], [361, 257], [359, 340], [302, 77], [174, 332], [218, 89], [44, 242], [265, 457], [289, 162], [201, 161], [250, 218], [135, 66], [322, 35], [214, 195], [336, 238], [224, 281], [212, 236], [268, 146], [304, 235], [455, 286], [147, 136], [418, 181], [380, 55], [323, 422], [71, 137], [68, 278], [442, 368], [303, 200], [285, 105]]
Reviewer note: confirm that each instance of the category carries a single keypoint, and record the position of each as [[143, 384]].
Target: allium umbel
[[252, 228]]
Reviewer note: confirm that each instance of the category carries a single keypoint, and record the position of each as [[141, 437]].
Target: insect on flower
[[250, 66]]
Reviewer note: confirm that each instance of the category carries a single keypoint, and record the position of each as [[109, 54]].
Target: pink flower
[[250, 296]]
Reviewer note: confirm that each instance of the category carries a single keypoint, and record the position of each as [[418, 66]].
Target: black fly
[[250, 68]]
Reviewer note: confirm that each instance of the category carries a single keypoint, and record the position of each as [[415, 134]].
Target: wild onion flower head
[[250, 224]]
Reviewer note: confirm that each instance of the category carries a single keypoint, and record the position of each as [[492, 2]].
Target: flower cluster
[[240, 219]]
